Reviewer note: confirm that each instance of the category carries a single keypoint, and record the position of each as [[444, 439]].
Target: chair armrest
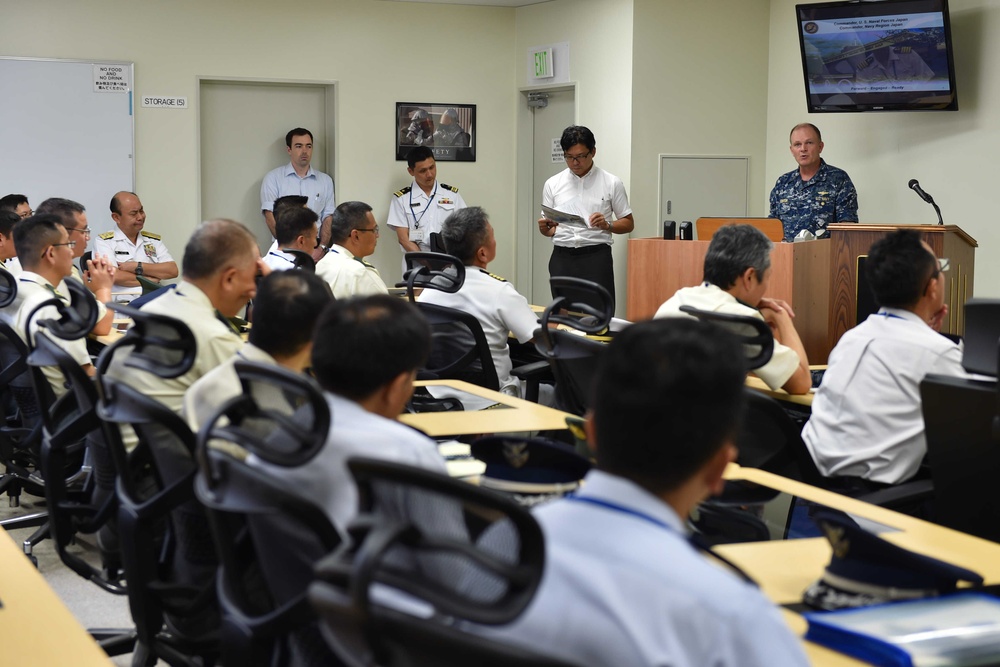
[[905, 494], [533, 374]]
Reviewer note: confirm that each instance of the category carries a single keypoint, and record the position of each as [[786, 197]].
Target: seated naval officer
[[354, 235], [295, 228]]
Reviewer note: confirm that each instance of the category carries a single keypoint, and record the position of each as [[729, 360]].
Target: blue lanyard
[[274, 254], [884, 314], [693, 540], [624, 510], [416, 220]]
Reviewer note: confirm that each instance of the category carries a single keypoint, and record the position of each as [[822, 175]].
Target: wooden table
[[518, 416], [36, 628], [785, 568], [805, 400]]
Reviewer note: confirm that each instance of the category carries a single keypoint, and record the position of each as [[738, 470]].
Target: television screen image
[[886, 56]]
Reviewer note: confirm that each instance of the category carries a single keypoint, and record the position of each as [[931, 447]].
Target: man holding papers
[[595, 206]]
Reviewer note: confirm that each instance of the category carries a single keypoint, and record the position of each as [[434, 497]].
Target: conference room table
[[785, 568], [36, 628], [506, 414]]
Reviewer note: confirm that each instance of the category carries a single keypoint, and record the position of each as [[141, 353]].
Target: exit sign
[[543, 64]]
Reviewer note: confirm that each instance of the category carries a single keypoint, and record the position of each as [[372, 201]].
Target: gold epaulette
[[400, 193], [449, 187], [107, 236], [150, 235], [496, 277]]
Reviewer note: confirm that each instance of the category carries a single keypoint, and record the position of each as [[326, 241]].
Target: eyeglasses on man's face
[[68, 244], [576, 158], [374, 229]]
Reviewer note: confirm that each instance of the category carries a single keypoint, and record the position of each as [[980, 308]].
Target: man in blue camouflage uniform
[[815, 194]]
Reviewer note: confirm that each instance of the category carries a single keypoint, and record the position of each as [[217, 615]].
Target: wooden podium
[[818, 278], [799, 275], [851, 242]]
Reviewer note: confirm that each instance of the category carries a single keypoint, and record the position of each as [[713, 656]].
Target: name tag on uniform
[[121, 252], [417, 235]]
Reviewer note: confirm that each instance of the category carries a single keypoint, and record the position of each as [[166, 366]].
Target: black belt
[[582, 250]]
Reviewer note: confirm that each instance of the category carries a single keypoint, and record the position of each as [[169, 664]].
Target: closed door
[[243, 126], [548, 125], [693, 187]]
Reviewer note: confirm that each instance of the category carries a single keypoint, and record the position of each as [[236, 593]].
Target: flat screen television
[[888, 55]]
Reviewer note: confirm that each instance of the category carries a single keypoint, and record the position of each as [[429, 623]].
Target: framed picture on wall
[[447, 129]]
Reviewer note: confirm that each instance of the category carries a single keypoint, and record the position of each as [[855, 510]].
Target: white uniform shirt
[[355, 432], [219, 385], [118, 248], [784, 362], [500, 309], [33, 290], [866, 416], [422, 213], [13, 265], [623, 586], [596, 192], [279, 260], [349, 275], [283, 181]]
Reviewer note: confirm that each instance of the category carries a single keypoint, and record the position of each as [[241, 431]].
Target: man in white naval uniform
[[623, 583], [500, 309], [593, 194], [354, 235], [419, 210], [133, 250], [299, 178], [296, 228]]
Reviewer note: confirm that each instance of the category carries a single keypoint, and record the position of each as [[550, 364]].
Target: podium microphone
[[915, 186]]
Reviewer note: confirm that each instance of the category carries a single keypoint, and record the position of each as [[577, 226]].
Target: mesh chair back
[[160, 345], [753, 333], [302, 260], [268, 536], [76, 319], [466, 553], [8, 288], [432, 270], [581, 304]]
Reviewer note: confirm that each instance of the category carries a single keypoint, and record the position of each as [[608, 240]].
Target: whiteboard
[[60, 138]]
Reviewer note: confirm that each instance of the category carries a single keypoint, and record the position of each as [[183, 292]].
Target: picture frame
[[449, 130]]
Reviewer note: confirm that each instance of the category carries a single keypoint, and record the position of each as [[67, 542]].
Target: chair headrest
[[161, 345], [301, 260], [77, 318], [432, 270], [754, 333], [581, 304], [8, 288]]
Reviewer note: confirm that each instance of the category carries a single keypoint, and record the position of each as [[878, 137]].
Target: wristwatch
[[138, 268]]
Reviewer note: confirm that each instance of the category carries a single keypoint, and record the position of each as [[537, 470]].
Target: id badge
[[416, 235]]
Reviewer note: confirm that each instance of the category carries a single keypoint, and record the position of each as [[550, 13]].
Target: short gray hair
[[347, 217], [465, 231], [733, 250]]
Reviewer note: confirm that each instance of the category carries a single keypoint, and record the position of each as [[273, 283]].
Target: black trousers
[[592, 262]]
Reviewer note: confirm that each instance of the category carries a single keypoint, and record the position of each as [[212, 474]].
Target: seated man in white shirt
[[500, 309], [737, 273], [623, 585], [7, 221], [46, 254], [366, 353], [286, 308], [295, 228], [353, 236], [867, 420]]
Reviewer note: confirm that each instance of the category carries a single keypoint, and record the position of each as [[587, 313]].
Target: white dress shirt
[[597, 191]]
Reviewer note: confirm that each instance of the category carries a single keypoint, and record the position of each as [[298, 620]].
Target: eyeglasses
[[83, 230], [27, 214], [576, 158], [68, 244], [373, 229]]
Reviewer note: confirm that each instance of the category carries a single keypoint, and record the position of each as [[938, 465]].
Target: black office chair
[[268, 536], [753, 333], [573, 358], [459, 350], [21, 432], [301, 260], [166, 546], [592, 304], [468, 554]]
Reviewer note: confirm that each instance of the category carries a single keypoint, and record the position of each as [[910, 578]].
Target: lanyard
[[274, 254], [885, 314], [694, 540], [416, 220]]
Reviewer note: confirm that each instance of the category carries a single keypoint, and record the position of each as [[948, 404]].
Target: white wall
[[378, 52], [951, 153], [699, 88], [599, 33]]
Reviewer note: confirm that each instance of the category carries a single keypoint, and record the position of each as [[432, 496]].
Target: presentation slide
[[876, 54]]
